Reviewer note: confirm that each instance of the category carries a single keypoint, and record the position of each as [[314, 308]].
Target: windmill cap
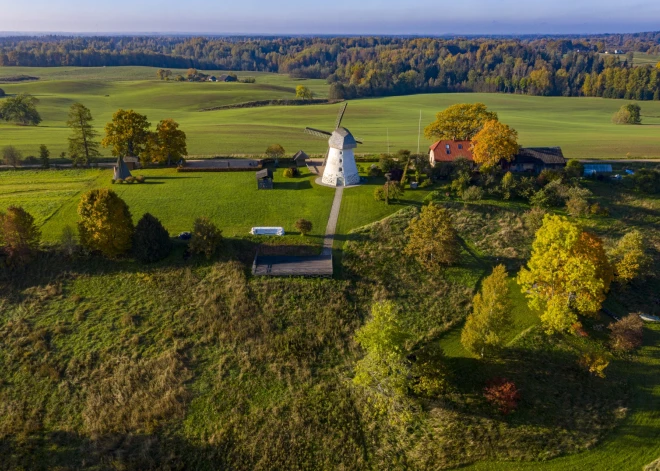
[[342, 139]]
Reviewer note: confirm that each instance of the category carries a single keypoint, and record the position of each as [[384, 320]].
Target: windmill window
[[340, 161], [341, 169]]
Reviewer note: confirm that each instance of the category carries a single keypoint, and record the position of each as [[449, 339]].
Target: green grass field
[[581, 126]]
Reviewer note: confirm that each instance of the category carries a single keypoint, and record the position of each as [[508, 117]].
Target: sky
[[421, 17]]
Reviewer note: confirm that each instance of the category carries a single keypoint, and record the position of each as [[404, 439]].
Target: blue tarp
[[594, 169]]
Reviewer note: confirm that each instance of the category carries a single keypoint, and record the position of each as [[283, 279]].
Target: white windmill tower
[[340, 168]]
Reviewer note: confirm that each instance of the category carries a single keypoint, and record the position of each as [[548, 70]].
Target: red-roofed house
[[448, 151]]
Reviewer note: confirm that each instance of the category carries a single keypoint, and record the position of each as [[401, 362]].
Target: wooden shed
[[265, 179], [300, 158]]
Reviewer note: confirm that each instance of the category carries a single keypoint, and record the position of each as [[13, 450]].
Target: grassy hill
[[581, 126]]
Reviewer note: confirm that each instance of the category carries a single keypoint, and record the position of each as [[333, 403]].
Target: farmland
[[581, 126]]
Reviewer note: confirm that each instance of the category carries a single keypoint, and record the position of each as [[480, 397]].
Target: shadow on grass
[[299, 185]]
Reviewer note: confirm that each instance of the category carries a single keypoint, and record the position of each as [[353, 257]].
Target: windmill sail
[[340, 115], [318, 133]]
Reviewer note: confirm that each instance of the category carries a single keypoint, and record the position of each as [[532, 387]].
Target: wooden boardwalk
[[320, 265]]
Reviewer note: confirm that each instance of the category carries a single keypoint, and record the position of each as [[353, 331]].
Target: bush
[[118, 180], [30, 160], [304, 226], [68, 242], [502, 394], [140, 178], [105, 222], [646, 180], [19, 236], [626, 334], [595, 363], [151, 241], [473, 193], [426, 183], [375, 171], [574, 169], [129, 179], [379, 194], [289, 172], [206, 237]]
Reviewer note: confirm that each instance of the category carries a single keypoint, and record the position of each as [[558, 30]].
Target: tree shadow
[[300, 185]]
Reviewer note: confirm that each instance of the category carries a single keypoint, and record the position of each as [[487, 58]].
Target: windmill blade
[[340, 115], [358, 140], [318, 133]]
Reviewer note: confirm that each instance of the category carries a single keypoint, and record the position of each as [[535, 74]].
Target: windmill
[[339, 163]]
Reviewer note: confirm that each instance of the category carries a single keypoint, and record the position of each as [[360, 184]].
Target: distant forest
[[377, 66]]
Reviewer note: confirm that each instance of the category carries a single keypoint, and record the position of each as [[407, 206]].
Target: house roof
[[264, 173], [300, 155], [342, 139], [547, 155], [448, 150]]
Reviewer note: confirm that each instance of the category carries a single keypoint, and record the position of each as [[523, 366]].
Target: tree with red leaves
[[503, 394]]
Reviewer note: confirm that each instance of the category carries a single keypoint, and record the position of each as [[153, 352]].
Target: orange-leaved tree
[[493, 143]]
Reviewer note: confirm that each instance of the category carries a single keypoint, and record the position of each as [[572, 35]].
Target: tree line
[[377, 66]]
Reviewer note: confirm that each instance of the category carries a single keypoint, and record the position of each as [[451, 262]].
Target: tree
[[44, 155], [304, 226], [628, 114], [127, 133], [629, 257], [20, 109], [459, 122], [508, 185], [105, 223], [304, 92], [151, 241], [490, 316], [11, 156], [19, 236], [2, 93], [82, 141], [493, 143], [168, 142], [503, 394], [392, 191], [206, 237], [432, 240], [568, 274], [627, 333], [163, 74], [577, 203], [275, 151], [574, 169]]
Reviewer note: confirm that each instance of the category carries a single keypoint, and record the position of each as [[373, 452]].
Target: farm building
[[132, 162], [265, 179], [448, 151], [535, 159], [226, 78], [300, 158], [591, 170]]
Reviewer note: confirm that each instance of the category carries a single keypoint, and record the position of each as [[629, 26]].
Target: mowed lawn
[[231, 200], [581, 126]]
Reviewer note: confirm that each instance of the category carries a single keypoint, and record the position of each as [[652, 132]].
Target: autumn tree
[[20, 109], [304, 226], [491, 315], [105, 223], [567, 275], [493, 143], [127, 133], [459, 122], [151, 241], [304, 92], [206, 237], [44, 155], [11, 156], [275, 151], [432, 239], [629, 257], [19, 235], [82, 142], [167, 143]]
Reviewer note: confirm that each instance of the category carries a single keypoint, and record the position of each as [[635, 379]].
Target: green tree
[[432, 239], [567, 275], [304, 92], [151, 241], [11, 156], [82, 141], [105, 223], [490, 317], [574, 168], [304, 226], [459, 122], [392, 191], [127, 133], [628, 114], [19, 235], [169, 142], [494, 143], [508, 185], [20, 109], [44, 156], [206, 237], [629, 257], [275, 151]]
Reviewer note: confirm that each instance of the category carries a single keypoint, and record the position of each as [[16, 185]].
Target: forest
[[380, 66]]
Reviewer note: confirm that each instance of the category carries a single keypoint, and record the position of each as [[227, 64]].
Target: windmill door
[[340, 181]]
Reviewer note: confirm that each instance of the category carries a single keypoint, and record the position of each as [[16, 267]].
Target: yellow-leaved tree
[[432, 239], [490, 316], [168, 142], [493, 143], [127, 133], [304, 92], [460, 122], [105, 222], [567, 275], [629, 257]]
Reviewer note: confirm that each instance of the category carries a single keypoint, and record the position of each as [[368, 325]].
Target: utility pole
[[388, 142], [419, 130]]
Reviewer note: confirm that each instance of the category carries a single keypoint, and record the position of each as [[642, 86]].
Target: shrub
[[375, 171], [502, 394], [595, 363], [11, 156], [429, 372], [105, 222], [288, 172], [426, 183], [548, 175], [119, 180], [30, 160], [626, 334], [629, 257], [129, 179], [68, 242], [574, 169], [379, 194], [113, 181], [304, 226], [472, 193], [206, 237], [646, 180], [140, 178], [508, 185], [19, 235], [151, 241]]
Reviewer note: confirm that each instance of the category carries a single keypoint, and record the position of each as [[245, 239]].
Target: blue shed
[[597, 169]]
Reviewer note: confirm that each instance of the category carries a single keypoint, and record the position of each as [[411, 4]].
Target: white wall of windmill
[[341, 167]]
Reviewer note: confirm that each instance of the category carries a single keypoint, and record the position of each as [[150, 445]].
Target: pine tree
[[44, 155], [82, 142]]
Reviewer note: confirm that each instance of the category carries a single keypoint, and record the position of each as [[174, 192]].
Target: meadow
[[581, 126]]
